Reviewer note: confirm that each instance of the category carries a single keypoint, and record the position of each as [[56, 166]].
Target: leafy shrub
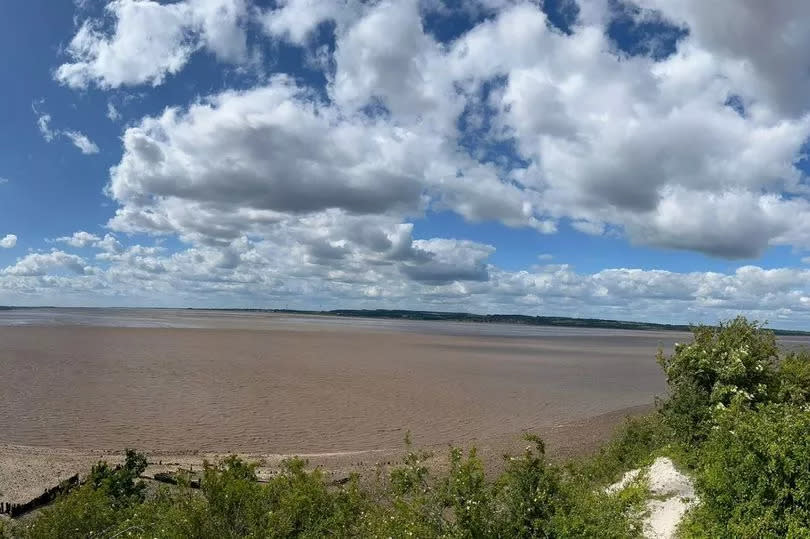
[[532, 498], [794, 379], [82, 513], [754, 474], [104, 501], [303, 506], [468, 495], [119, 482], [731, 362], [632, 446]]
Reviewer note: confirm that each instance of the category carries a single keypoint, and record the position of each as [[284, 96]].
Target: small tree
[[733, 362], [121, 482]]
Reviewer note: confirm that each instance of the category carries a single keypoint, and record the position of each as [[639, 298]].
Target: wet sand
[[26, 471]]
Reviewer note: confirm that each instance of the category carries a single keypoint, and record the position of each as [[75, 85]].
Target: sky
[[604, 158]]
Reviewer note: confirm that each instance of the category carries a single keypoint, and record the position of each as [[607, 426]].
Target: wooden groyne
[[18, 509]]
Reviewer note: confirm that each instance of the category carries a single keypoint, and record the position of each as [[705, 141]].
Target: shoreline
[[394, 315], [26, 471]]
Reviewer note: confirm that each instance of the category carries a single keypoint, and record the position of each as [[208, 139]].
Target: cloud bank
[[660, 122]]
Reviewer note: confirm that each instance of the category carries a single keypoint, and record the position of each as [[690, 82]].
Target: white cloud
[[281, 189], [437, 273], [3, 180], [112, 113], [38, 264], [386, 55], [589, 227], [763, 71], [109, 244], [151, 40], [43, 123], [8, 241], [295, 20], [81, 141], [80, 239], [655, 152], [78, 139], [250, 159], [654, 146]]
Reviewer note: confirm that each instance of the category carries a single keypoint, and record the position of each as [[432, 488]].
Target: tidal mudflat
[[277, 384]]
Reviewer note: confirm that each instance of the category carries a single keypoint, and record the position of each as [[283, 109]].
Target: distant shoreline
[[405, 314]]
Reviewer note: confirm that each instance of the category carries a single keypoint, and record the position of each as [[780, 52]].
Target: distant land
[[561, 321], [404, 314]]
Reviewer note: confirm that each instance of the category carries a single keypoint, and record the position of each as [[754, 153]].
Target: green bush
[[84, 512], [536, 499], [743, 414], [107, 499], [532, 498], [121, 482], [731, 362], [794, 379], [632, 446], [754, 474]]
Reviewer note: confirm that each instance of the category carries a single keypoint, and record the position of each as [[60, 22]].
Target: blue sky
[[597, 158]]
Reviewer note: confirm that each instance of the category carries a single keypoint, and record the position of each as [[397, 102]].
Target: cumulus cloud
[[79, 239], [8, 241], [3, 180], [690, 140], [251, 159], [295, 20], [653, 140], [143, 41], [38, 264], [758, 71], [439, 273], [657, 142]]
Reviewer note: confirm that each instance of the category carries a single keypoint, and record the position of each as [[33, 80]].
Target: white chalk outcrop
[[671, 495]]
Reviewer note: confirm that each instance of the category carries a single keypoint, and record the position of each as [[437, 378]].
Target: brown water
[[299, 386]]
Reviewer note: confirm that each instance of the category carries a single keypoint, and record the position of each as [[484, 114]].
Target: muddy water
[[281, 384]]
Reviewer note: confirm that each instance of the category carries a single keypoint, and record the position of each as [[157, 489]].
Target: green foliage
[[743, 415], [633, 446], [724, 364], [119, 482], [108, 498], [532, 498], [754, 474], [794, 378], [85, 512], [528, 491], [468, 497], [537, 499]]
